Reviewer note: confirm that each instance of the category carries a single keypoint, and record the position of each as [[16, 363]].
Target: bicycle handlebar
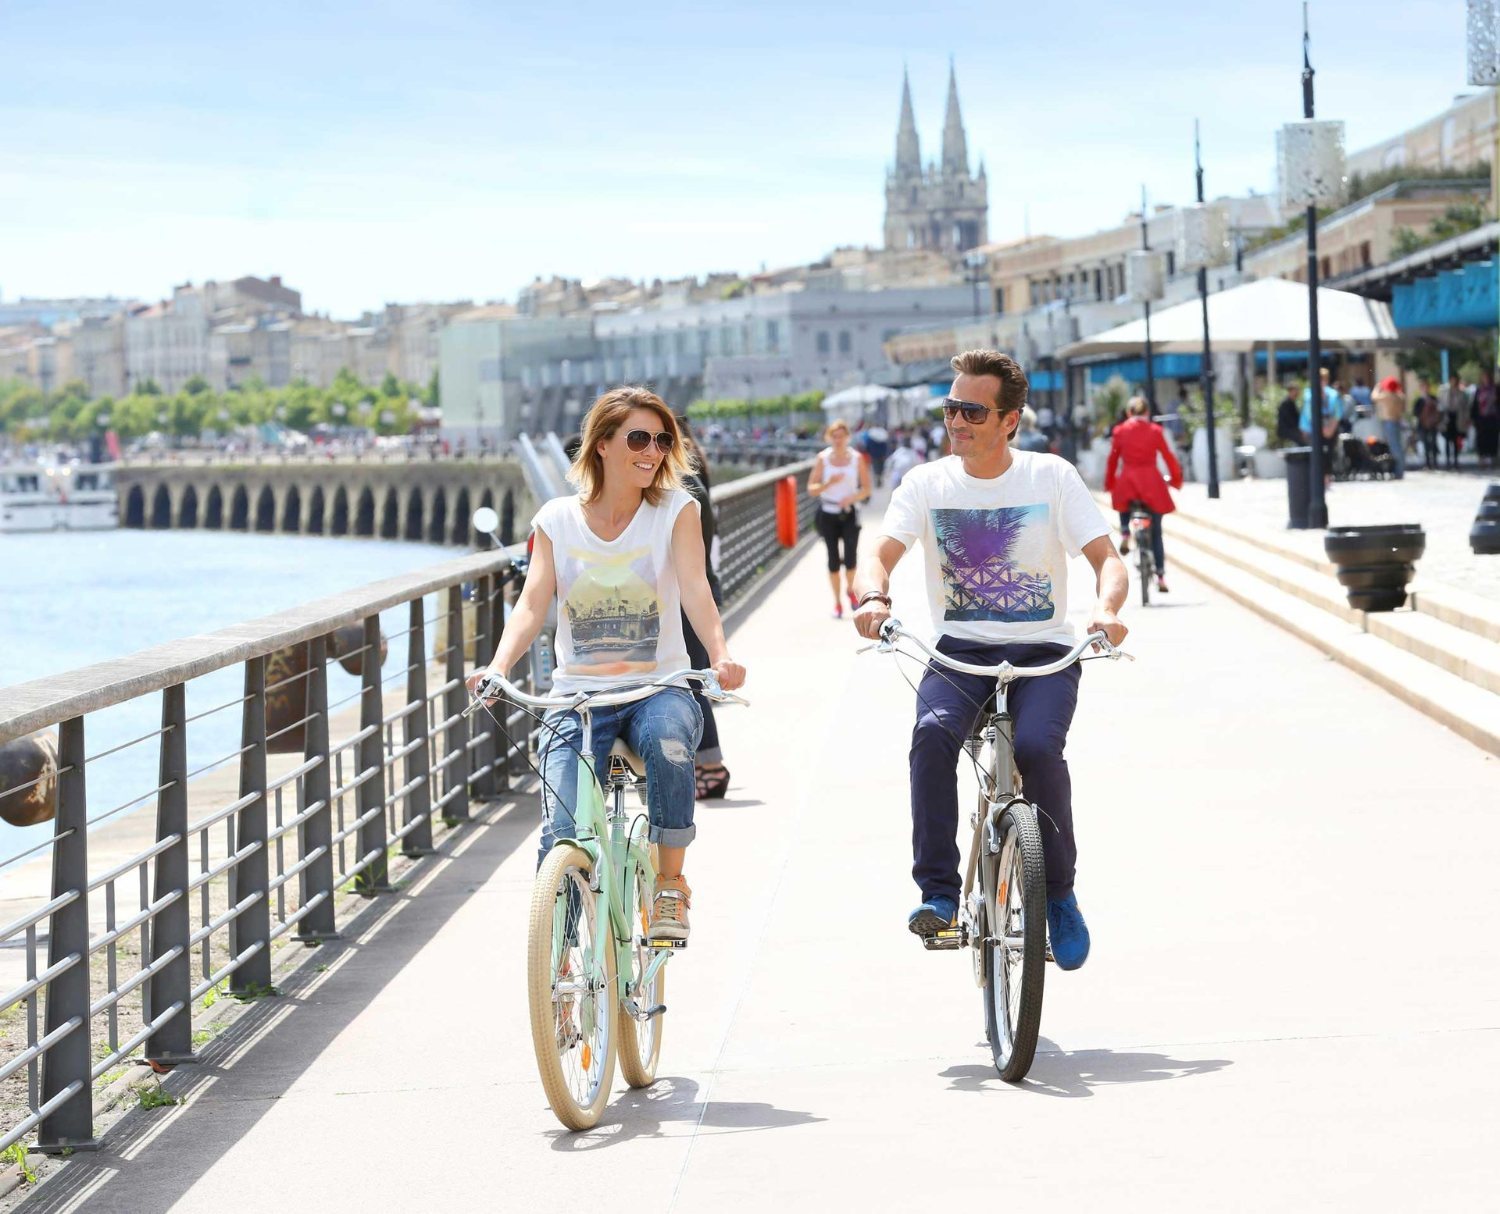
[[495, 685], [891, 631]]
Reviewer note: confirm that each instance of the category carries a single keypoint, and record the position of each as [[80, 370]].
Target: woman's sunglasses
[[639, 440], [975, 415]]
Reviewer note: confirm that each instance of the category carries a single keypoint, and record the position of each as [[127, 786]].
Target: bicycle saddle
[[621, 750]]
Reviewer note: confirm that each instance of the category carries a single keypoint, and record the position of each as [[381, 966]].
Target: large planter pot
[[1269, 465], [1484, 536], [1223, 450], [1374, 564]]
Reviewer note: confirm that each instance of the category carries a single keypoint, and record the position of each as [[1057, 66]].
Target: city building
[[50, 312], [942, 206], [1462, 136], [97, 352]]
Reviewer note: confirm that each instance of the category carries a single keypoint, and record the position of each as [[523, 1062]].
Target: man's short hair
[[1013, 385]]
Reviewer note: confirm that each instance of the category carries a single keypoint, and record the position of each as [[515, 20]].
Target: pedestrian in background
[[903, 459], [1288, 431], [1390, 409], [840, 480], [1429, 418], [711, 777], [1486, 415], [1453, 403], [1029, 435]]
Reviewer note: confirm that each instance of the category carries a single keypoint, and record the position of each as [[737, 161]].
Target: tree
[[196, 386], [390, 385]]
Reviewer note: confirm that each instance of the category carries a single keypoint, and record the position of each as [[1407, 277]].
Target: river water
[[72, 599]]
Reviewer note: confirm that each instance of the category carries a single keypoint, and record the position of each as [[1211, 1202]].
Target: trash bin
[[1298, 485]]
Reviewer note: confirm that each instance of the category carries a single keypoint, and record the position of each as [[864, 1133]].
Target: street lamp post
[[1143, 283], [1202, 238], [1484, 70], [975, 261], [1311, 168]]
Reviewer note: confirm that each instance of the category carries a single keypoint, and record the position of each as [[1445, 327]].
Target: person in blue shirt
[[1333, 415]]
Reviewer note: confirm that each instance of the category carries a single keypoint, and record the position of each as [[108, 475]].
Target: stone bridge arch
[[187, 507], [390, 515], [265, 509], [364, 515], [291, 510], [412, 528], [239, 509], [437, 517], [213, 508], [461, 512], [316, 510], [134, 514]]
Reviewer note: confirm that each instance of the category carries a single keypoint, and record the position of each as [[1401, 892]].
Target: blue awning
[[1464, 297], [1165, 366]]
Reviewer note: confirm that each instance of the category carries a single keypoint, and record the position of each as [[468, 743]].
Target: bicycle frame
[[607, 836]]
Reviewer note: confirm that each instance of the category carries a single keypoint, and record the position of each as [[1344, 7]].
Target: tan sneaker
[[669, 910]]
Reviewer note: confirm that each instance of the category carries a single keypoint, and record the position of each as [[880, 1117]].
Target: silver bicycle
[[1002, 916]]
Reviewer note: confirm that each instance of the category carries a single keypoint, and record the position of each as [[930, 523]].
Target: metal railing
[[251, 848]]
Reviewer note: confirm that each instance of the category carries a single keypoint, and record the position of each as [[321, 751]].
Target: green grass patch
[[156, 1098], [16, 1154]]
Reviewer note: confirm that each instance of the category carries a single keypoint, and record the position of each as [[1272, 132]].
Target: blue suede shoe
[[1067, 932], [932, 916]]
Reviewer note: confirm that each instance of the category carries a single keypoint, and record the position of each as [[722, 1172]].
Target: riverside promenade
[[1293, 995]]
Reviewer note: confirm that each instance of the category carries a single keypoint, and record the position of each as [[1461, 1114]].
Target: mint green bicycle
[[596, 983]]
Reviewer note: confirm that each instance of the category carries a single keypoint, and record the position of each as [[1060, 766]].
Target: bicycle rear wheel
[[571, 996], [1015, 898], [1143, 543], [640, 1040]]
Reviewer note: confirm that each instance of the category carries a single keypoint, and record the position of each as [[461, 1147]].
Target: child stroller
[[1368, 456]]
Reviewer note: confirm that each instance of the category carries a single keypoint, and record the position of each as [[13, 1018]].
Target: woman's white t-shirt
[[997, 550], [619, 610]]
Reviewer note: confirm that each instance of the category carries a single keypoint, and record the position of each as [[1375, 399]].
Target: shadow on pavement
[[654, 1112], [149, 1160], [729, 803], [1076, 1074]]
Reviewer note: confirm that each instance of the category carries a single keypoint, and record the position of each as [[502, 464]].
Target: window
[[999, 300], [845, 343], [773, 337], [1171, 263], [1364, 255], [823, 346], [1098, 284]]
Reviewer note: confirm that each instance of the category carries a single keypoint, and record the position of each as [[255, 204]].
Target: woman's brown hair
[[603, 422]]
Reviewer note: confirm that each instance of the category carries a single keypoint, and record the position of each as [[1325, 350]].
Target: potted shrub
[[1374, 564]]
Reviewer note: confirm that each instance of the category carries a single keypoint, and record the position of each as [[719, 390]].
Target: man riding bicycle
[[998, 526]]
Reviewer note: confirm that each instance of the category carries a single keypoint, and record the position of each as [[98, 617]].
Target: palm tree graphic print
[[985, 556]]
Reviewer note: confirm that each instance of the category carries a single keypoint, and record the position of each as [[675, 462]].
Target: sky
[[381, 151]]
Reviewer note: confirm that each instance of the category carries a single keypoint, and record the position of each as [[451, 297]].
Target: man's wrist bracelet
[[871, 596]]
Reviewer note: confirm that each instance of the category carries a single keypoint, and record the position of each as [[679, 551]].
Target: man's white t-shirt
[[997, 550]]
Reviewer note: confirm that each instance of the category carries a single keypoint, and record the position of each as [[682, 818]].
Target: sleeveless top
[[839, 482], [619, 609]]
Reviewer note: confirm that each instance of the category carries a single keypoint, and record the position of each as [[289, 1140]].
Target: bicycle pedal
[[946, 940], [673, 944]]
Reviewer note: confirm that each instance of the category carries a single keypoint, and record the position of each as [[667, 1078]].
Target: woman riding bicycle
[[620, 556], [1132, 476]]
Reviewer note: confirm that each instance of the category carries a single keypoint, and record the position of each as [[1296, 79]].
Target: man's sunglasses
[[639, 440], [975, 415]]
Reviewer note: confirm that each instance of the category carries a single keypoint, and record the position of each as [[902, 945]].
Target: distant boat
[[65, 497]]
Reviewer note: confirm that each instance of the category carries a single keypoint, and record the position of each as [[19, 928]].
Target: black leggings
[[841, 526]]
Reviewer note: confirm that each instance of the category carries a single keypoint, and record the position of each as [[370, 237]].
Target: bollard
[[1298, 486], [786, 511]]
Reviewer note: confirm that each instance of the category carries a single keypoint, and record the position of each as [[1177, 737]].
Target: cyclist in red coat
[[1132, 475]]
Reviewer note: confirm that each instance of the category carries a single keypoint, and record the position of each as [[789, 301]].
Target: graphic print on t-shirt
[[993, 564], [613, 612]]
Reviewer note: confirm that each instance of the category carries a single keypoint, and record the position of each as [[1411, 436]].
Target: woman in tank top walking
[[840, 480], [624, 559]]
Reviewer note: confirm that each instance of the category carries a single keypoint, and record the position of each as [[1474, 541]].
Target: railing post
[[170, 926], [370, 796], [252, 875], [500, 736], [68, 1062], [484, 647], [418, 842], [456, 769], [317, 785]]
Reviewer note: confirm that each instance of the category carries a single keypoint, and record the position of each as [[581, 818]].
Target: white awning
[[1267, 312]]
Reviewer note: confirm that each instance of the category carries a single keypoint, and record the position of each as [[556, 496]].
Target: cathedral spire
[[908, 150], [955, 145]]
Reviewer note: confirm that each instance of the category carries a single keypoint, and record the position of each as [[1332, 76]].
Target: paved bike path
[[1293, 995]]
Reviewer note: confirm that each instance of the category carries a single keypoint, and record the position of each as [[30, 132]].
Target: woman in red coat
[[1133, 476]]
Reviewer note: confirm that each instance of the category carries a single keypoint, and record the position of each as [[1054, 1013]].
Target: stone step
[[1470, 612], [1472, 658], [1463, 706]]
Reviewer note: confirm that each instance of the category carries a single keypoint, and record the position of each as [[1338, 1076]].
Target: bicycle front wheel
[[571, 995], [640, 1040], [1015, 898]]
